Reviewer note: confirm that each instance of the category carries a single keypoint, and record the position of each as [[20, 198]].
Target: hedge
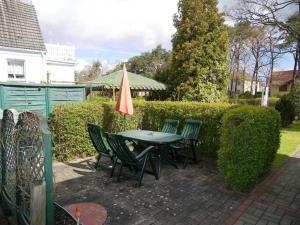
[[250, 137], [253, 101], [71, 140]]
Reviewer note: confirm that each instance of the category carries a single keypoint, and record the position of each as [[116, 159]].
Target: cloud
[[101, 24], [109, 29]]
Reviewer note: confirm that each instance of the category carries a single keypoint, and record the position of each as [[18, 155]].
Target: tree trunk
[[295, 68], [244, 75], [237, 70]]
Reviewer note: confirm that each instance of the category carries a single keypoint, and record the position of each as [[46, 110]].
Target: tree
[[90, 73], [199, 58], [239, 54], [270, 13], [148, 63]]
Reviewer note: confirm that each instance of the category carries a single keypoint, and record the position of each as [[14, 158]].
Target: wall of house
[[61, 63], [281, 89], [60, 73], [34, 63]]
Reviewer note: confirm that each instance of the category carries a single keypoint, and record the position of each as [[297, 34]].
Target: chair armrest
[[146, 151]]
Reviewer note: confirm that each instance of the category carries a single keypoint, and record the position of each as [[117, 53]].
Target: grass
[[290, 140]]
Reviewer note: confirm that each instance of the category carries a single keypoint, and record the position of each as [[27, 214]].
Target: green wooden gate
[[38, 97]]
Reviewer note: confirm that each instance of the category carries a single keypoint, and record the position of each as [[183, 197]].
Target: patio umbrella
[[124, 104]]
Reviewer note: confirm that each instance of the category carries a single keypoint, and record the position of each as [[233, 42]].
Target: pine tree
[[200, 50]]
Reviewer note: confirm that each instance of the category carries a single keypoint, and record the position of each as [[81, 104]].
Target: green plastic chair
[[170, 126], [191, 134], [100, 143], [135, 160]]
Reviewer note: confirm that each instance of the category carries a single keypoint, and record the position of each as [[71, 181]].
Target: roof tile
[[19, 26]]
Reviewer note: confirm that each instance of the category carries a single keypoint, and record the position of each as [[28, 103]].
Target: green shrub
[[254, 101], [247, 94], [250, 137], [71, 140], [68, 128], [295, 95], [286, 108]]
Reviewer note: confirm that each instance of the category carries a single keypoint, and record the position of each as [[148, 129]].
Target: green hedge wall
[[250, 138], [71, 140], [68, 128], [253, 101]]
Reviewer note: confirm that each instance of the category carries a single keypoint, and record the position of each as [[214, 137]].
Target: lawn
[[290, 140]]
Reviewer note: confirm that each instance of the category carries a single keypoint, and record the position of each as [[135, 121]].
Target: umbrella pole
[[124, 123]]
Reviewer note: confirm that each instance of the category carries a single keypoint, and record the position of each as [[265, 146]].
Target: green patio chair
[[63, 217], [100, 143], [191, 134], [170, 126], [131, 159]]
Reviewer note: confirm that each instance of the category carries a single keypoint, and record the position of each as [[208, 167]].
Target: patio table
[[155, 138]]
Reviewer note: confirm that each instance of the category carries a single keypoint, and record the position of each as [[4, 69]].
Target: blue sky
[[113, 30]]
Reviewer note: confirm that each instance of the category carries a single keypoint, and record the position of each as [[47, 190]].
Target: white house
[[23, 54], [61, 63]]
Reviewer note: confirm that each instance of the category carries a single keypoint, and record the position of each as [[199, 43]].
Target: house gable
[[19, 26]]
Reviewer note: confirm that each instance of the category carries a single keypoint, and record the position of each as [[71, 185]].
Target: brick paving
[[195, 195], [275, 201], [192, 196]]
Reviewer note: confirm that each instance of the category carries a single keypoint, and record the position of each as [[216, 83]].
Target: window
[[16, 69]]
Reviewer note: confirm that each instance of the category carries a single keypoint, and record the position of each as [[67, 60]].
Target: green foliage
[[253, 101], [89, 74], [250, 138], [247, 94], [199, 57], [71, 140], [68, 127], [148, 63], [295, 96], [286, 108]]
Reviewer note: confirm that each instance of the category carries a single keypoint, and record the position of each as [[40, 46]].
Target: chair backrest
[[98, 139], [191, 129], [121, 150], [170, 126]]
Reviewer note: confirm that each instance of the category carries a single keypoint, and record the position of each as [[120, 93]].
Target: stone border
[[263, 187]]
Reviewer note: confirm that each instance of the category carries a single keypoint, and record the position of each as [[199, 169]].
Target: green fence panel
[[38, 98]]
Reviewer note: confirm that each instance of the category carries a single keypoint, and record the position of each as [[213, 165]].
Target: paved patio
[[195, 195], [275, 201]]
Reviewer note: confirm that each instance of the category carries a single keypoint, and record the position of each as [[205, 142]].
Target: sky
[[113, 30]]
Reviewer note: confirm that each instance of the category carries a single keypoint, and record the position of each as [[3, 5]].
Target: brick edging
[[263, 187]]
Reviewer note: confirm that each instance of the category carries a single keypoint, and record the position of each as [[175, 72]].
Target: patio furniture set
[[135, 149]]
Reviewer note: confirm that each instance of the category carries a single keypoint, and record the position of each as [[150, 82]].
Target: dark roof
[[19, 26], [282, 77]]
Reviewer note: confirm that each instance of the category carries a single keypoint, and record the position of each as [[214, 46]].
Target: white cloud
[[98, 23], [81, 63], [109, 29]]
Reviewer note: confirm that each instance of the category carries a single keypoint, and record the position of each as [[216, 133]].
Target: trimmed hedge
[[250, 138], [253, 101], [71, 140], [68, 128]]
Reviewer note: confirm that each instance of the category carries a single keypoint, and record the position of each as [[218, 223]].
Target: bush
[[68, 128], [254, 101], [71, 140], [250, 137], [286, 108], [247, 94], [295, 96]]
